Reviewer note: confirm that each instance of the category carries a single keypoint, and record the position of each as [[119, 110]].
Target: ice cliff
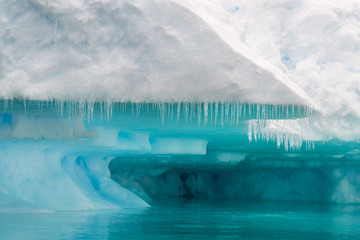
[[107, 104]]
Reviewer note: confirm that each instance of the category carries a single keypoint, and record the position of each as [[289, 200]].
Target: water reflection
[[179, 219]]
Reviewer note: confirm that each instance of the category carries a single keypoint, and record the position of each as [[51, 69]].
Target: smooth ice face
[[55, 176], [60, 174]]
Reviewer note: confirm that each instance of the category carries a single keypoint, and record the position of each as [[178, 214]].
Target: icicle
[[133, 109], [250, 131], [162, 112], [92, 105], [237, 113], [244, 114], [240, 110], [222, 110], [88, 112], [205, 113], [231, 114], [123, 107], [278, 140], [111, 110], [264, 111], [199, 113], [211, 113], [178, 112], [190, 112], [6, 105], [108, 106], [287, 111], [138, 109], [101, 111], [25, 106], [172, 111], [250, 106], [168, 110], [216, 112], [186, 111], [226, 112], [255, 132], [61, 109]]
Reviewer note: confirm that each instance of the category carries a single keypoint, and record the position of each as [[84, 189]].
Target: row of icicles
[[205, 114]]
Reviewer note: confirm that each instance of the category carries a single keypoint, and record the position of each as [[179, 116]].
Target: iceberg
[[107, 105]]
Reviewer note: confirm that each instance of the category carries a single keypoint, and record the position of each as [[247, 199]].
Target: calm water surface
[[181, 219]]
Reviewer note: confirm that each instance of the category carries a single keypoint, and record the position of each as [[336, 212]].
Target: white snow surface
[[317, 46], [139, 51]]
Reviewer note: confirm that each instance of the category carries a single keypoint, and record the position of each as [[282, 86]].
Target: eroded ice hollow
[[71, 156]]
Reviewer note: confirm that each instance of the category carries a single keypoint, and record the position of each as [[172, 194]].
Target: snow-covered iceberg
[[108, 104]]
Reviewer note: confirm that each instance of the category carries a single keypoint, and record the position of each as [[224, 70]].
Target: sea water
[[191, 219]]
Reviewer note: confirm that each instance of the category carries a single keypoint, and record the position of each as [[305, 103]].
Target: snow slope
[[153, 50], [317, 46]]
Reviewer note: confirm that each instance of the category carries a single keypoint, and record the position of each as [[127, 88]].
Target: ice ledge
[[163, 51]]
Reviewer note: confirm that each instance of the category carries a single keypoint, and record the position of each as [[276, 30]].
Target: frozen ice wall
[[108, 104], [57, 155], [70, 156]]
